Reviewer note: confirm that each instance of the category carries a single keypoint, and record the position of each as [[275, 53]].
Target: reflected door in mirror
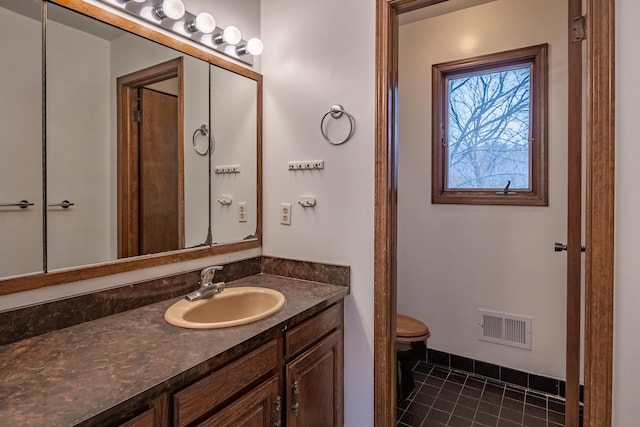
[[150, 160], [161, 224]]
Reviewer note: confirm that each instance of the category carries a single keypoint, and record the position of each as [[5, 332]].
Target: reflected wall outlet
[[285, 213], [242, 211]]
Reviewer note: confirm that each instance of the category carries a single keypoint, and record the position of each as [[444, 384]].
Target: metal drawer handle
[[296, 391], [278, 411]]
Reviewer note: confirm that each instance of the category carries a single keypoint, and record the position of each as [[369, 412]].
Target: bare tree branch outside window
[[488, 130]]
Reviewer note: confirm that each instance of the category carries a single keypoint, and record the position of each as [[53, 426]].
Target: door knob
[[559, 247]]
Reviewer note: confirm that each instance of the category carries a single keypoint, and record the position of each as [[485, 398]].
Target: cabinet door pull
[[296, 391], [278, 412]]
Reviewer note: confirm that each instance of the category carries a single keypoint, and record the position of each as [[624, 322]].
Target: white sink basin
[[231, 307]]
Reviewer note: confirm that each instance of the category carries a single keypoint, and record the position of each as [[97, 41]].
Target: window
[[489, 129]]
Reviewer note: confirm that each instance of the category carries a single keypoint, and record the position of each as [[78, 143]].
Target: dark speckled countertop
[[93, 371]]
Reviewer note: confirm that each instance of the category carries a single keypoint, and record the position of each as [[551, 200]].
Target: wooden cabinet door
[[156, 416], [261, 407], [315, 385]]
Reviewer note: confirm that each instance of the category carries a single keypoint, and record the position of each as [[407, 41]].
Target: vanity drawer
[[201, 398], [313, 330]]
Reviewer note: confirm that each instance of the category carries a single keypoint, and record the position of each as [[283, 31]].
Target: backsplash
[[35, 320], [306, 270]]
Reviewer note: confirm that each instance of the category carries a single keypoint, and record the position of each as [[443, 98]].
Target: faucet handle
[[206, 275]]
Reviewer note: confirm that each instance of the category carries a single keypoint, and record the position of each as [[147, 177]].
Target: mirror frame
[[73, 274]]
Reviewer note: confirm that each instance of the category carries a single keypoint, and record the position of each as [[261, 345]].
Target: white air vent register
[[504, 328]]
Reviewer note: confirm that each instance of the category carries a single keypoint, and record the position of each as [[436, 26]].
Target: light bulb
[[255, 46], [208, 39], [232, 35], [205, 23], [172, 9]]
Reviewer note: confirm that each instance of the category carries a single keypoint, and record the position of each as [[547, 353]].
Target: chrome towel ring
[[336, 112], [204, 131]]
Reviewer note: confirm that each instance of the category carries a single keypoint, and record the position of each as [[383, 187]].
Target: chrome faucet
[[207, 287]]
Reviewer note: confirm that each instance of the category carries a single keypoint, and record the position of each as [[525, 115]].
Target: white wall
[[323, 54], [78, 147], [196, 169], [21, 141], [234, 129], [453, 259], [626, 372]]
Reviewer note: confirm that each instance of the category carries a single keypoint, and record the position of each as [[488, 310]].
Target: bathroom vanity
[[135, 369], [109, 358]]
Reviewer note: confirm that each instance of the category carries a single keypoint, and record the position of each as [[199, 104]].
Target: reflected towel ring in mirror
[[336, 112], [204, 131]]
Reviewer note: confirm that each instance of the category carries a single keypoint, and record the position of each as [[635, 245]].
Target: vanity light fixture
[[253, 47], [172, 9], [172, 16], [204, 22]]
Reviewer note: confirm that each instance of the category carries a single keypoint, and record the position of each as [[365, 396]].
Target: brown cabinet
[[146, 419], [315, 385], [294, 380], [314, 371], [156, 416], [234, 381], [258, 408]]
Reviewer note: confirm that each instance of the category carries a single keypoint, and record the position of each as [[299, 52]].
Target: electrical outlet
[[242, 211], [285, 213]]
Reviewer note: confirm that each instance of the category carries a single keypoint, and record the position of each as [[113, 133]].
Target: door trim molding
[[599, 220], [574, 222], [600, 193]]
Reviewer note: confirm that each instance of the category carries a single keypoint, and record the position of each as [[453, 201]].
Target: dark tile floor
[[445, 397]]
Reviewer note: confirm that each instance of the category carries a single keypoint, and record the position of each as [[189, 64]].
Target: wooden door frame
[[574, 222], [600, 185], [128, 145]]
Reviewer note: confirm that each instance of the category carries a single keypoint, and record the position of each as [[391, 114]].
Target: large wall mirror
[[145, 150]]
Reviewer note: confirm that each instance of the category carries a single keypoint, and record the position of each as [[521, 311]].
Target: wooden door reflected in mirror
[[150, 160]]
